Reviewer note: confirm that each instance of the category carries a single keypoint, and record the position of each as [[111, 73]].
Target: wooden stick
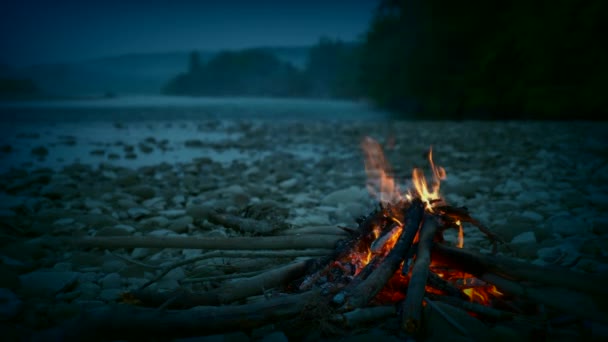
[[324, 230], [238, 254], [243, 224], [412, 305], [435, 281], [361, 316], [478, 264], [557, 298], [126, 322], [472, 307], [448, 318], [231, 291], [368, 288], [234, 243]]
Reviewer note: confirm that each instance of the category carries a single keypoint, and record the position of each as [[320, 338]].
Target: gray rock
[[111, 266], [181, 224], [97, 220], [136, 213], [46, 283], [277, 336], [142, 191], [526, 237], [289, 183], [549, 254], [566, 225], [111, 281], [40, 151], [89, 290], [199, 212], [57, 191], [113, 231], [172, 213], [350, 194], [154, 222], [10, 304], [110, 295], [155, 203]]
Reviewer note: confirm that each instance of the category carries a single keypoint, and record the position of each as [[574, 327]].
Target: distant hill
[[144, 73]]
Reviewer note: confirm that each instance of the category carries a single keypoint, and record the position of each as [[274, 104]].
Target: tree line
[[441, 59]]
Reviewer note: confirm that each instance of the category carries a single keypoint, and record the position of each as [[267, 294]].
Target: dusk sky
[[42, 31]]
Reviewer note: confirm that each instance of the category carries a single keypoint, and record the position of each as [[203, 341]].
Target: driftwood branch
[[126, 322], [360, 316], [412, 305], [238, 254], [230, 291], [369, 287], [480, 309], [234, 243], [478, 264], [557, 298]]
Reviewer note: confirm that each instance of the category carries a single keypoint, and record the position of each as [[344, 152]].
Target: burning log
[[368, 288], [412, 306], [478, 264], [557, 298], [480, 309]]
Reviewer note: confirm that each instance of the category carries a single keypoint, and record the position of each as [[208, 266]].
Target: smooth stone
[[176, 274], [343, 196], [113, 231], [58, 191], [10, 304], [526, 237], [97, 220], [89, 290], [142, 191], [154, 222], [45, 283], [566, 225], [155, 203], [289, 183], [534, 216], [199, 212], [111, 281], [172, 213], [111, 266], [549, 254], [136, 213], [64, 221], [180, 225], [109, 295]]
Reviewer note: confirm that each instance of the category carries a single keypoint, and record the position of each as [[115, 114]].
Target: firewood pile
[[394, 267]]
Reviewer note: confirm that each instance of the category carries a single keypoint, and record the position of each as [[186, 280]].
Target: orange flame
[[381, 183]]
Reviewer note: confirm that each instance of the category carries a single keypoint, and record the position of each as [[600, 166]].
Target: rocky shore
[[542, 186]]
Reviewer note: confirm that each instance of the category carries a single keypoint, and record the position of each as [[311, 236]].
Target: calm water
[[103, 131], [138, 108]]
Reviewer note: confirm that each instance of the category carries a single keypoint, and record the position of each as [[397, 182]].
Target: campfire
[[388, 259], [395, 264]]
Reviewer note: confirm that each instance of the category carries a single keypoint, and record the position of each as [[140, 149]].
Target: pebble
[[111, 281], [46, 283], [566, 225]]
